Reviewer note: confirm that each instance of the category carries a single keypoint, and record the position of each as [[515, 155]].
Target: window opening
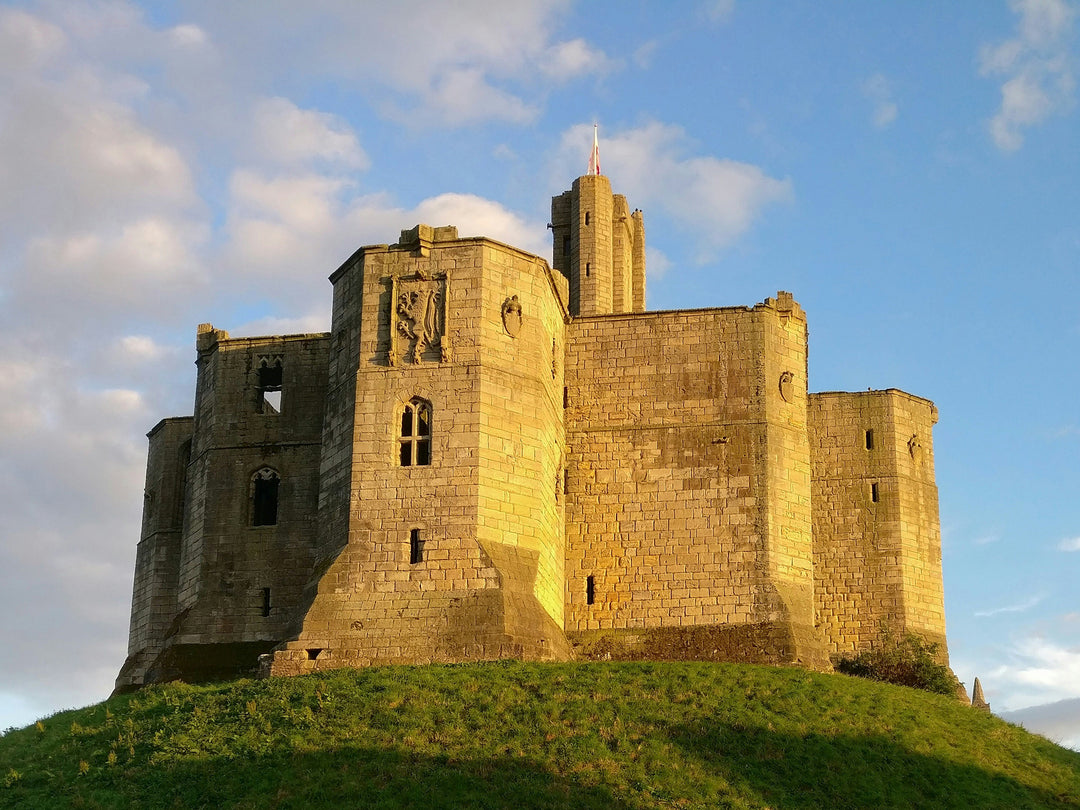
[[416, 547], [566, 397], [270, 384], [566, 247], [565, 481], [264, 498], [874, 492], [587, 268], [415, 441], [313, 653], [265, 602], [586, 217], [590, 590], [870, 439]]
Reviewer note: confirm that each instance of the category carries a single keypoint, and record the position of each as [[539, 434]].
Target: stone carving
[[786, 387], [511, 316], [419, 318], [914, 445]]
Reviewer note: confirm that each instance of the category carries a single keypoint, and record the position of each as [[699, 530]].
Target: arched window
[[264, 497], [415, 438]]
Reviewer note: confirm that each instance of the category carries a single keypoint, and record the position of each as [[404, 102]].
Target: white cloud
[[283, 133], [878, 90], [464, 62], [1069, 544], [656, 263], [1058, 721], [1040, 670], [716, 199], [565, 60], [1036, 66], [717, 10], [26, 41], [1018, 607]]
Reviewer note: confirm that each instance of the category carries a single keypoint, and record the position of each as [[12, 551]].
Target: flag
[[594, 158]]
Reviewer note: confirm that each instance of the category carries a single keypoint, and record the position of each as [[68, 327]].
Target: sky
[[909, 171]]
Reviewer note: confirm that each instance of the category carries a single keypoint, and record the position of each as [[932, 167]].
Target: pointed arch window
[[415, 439], [264, 497]]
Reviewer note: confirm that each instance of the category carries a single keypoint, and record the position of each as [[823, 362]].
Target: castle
[[490, 457]]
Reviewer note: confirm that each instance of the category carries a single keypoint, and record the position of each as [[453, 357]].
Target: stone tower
[[599, 245]]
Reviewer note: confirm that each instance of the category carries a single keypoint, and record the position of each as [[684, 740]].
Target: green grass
[[611, 735]]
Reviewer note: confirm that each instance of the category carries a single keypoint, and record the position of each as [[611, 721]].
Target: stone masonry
[[491, 457]]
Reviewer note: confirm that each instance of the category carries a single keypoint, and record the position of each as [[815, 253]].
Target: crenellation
[[488, 456]]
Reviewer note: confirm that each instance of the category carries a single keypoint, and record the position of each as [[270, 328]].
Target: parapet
[[422, 237]]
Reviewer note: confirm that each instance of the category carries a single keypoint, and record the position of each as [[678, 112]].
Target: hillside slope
[[507, 734]]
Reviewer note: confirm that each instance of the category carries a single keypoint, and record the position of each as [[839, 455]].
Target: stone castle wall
[[877, 544], [591, 479], [490, 582]]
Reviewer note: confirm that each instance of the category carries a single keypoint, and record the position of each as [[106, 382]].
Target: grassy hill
[[507, 734]]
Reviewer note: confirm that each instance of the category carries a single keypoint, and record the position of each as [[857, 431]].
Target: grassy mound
[[611, 735]]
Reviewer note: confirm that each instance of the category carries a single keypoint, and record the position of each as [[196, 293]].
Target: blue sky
[[908, 170]]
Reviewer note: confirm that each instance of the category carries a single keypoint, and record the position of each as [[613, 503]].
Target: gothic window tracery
[[415, 438], [264, 497]]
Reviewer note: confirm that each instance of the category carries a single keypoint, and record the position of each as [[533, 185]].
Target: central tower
[[600, 247]]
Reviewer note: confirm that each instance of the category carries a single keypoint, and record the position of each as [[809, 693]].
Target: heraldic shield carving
[[511, 316], [419, 318]]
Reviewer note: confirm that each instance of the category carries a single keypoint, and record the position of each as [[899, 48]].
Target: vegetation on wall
[[906, 660]]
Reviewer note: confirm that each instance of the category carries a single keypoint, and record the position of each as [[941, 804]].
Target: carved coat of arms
[[419, 318]]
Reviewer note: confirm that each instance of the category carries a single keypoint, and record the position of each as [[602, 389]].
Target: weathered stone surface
[[489, 457]]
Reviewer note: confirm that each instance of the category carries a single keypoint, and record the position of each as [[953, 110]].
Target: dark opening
[[590, 590], [565, 481], [586, 217], [874, 493], [270, 381], [870, 439], [313, 653], [265, 602], [265, 498], [587, 268], [565, 397], [566, 247], [416, 547]]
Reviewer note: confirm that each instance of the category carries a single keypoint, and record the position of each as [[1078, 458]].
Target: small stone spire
[[978, 701]]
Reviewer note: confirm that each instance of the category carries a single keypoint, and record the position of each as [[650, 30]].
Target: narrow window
[[269, 382], [565, 481], [874, 492], [590, 590], [586, 217], [566, 247], [416, 547], [870, 439], [565, 397], [587, 268], [415, 441], [265, 602], [264, 498]]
